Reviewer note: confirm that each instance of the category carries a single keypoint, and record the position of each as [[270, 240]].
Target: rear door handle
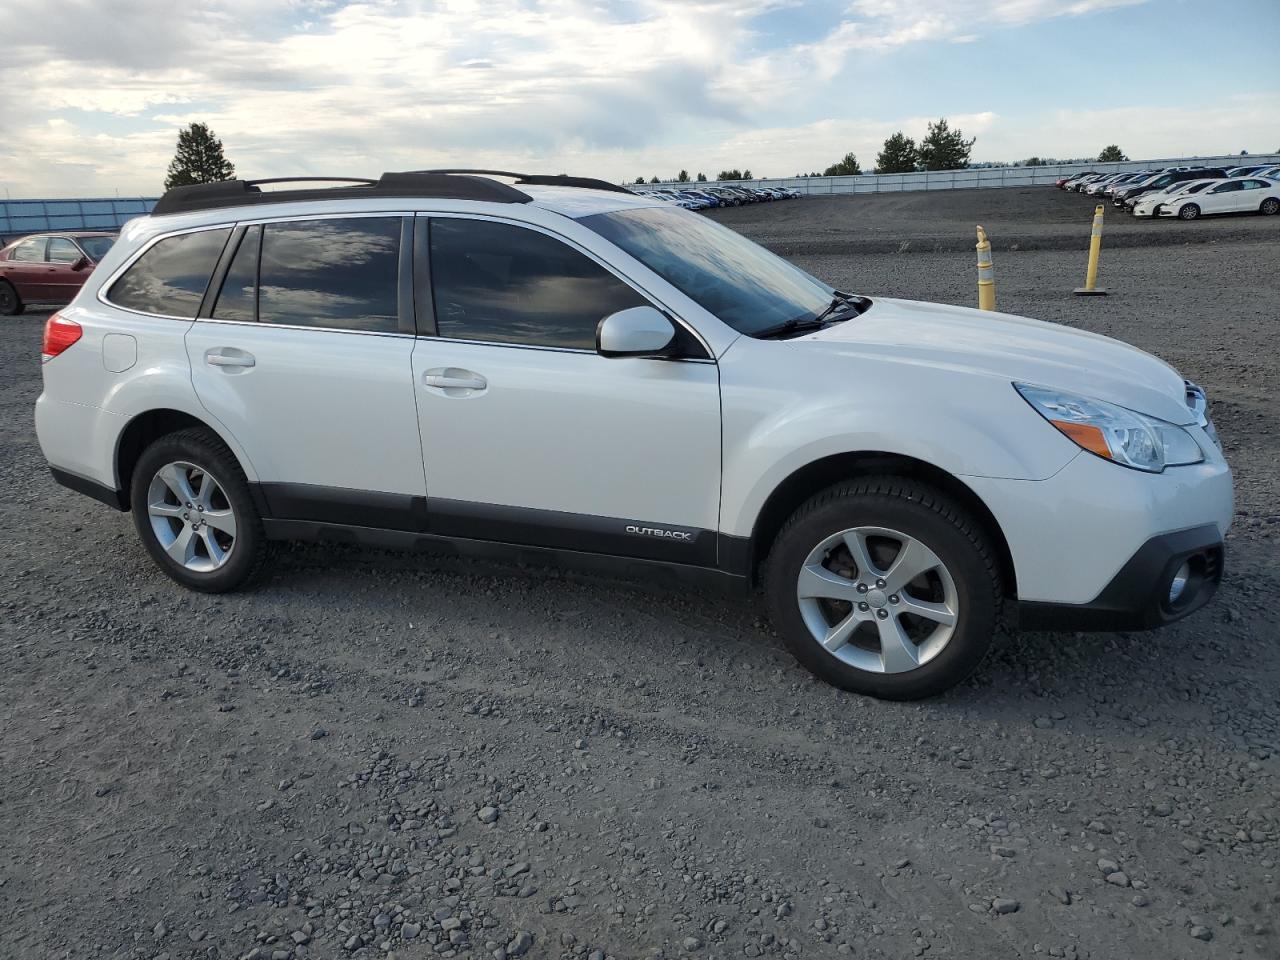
[[454, 379], [238, 358]]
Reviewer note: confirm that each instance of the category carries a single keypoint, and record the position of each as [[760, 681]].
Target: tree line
[[199, 158]]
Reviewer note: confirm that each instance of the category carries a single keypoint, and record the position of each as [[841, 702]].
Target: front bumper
[[1140, 596], [1071, 535]]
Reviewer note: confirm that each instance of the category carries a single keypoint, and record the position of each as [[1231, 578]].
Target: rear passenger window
[[238, 299], [171, 277], [341, 274], [497, 282]]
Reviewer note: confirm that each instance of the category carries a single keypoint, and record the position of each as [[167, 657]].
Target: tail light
[[59, 333]]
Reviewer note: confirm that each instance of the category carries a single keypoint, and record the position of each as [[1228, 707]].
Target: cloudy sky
[[94, 91]]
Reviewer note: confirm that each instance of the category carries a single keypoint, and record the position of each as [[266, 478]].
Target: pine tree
[[682, 176], [199, 159], [898, 156], [702, 178], [944, 148], [845, 167]]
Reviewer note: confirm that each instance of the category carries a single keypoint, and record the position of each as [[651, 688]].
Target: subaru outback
[[553, 368]]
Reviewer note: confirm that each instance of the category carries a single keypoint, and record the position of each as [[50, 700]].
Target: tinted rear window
[[238, 299], [342, 274], [171, 277]]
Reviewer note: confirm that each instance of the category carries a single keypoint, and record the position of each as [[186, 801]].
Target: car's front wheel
[[1189, 211], [885, 586], [194, 513]]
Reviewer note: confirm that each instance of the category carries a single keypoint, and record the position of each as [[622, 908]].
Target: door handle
[[237, 359], [457, 380]]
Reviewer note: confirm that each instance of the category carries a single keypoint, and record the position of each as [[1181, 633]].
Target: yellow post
[[986, 273], [1090, 288]]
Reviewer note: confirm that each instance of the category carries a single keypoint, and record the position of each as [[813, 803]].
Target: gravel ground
[[378, 754]]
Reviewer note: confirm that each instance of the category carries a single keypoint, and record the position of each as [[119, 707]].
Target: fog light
[[1179, 585]]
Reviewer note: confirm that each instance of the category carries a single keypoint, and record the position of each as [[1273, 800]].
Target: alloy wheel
[[878, 599], [191, 516]]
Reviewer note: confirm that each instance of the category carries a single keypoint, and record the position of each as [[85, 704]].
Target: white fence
[[979, 177]]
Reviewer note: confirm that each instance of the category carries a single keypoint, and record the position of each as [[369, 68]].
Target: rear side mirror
[[81, 264], [635, 332]]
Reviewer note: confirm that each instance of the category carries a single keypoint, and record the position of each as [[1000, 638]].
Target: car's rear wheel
[[885, 586], [193, 512], [10, 303], [1270, 206], [1189, 211]]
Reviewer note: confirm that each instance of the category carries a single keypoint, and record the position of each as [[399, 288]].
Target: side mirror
[[81, 264], [635, 332]]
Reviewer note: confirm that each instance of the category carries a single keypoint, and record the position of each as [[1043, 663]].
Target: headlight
[[1113, 432]]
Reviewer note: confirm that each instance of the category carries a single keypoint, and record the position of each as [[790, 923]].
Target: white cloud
[[613, 89]]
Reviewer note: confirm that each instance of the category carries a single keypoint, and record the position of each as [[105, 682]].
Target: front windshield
[[740, 282], [95, 247]]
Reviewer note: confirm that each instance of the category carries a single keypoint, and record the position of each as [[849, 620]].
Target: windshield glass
[[95, 247], [740, 282]]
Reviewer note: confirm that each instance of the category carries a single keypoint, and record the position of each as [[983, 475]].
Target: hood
[[1011, 348]]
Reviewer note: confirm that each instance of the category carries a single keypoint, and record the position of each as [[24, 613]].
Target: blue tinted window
[[341, 274], [171, 277], [497, 282]]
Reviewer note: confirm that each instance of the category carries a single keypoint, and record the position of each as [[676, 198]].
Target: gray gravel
[[379, 754]]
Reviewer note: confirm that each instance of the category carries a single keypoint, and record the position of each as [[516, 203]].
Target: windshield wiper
[[839, 302]]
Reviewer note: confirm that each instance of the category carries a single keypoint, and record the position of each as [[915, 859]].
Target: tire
[[10, 303], [930, 656], [180, 533], [1189, 211], [1270, 207]]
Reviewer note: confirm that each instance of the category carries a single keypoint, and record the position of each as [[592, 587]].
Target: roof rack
[[446, 184], [540, 179]]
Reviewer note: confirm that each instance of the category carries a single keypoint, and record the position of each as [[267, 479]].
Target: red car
[[48, 267]]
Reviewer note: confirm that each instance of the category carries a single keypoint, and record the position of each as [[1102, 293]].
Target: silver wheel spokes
[[191, 516], [877, 599]]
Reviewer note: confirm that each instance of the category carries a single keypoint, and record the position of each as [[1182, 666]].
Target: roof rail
[[236, 193], [540, 179], [454, 184]]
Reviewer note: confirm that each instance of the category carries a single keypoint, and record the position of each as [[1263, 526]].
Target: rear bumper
[[91, 488], [1138, 597]]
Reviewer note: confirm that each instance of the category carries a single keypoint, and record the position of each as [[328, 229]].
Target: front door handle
[[229, 358], [451, 378]]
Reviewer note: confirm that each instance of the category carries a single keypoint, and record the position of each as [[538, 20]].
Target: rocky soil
[[377, 754]]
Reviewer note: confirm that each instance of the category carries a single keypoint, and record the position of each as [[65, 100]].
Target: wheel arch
[[147, 427], [819, 474]]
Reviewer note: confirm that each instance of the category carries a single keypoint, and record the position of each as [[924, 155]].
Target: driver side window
[[502, 283]]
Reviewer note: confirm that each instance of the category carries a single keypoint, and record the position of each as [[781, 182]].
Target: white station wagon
[[553, 368]]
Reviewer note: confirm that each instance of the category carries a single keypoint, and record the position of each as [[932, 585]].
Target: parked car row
[[705, 197], [48, 267], [1184, 192]]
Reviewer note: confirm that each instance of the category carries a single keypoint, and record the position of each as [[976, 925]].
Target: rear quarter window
[[171, 277]]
